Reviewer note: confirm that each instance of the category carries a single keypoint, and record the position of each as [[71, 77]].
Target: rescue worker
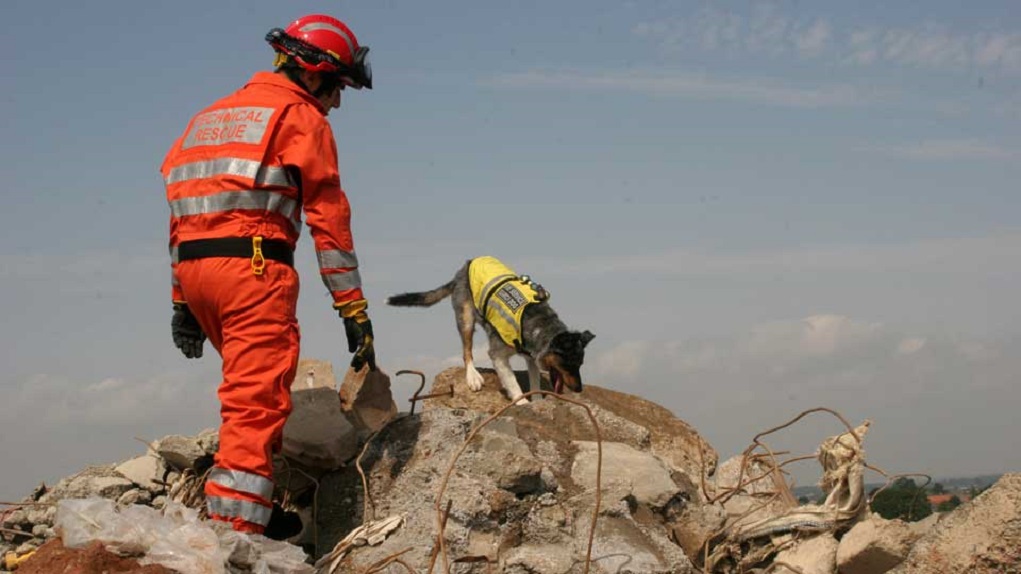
[[238, 180]]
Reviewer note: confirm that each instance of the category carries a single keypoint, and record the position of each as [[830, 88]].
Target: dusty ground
[[54, 558]]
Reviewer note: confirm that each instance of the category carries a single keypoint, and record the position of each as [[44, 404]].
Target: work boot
[[283, 524]]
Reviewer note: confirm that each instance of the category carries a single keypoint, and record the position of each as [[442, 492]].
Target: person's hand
[[187, 334], [358, 329]]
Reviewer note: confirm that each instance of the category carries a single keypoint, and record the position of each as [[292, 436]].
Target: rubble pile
[[598, 482]]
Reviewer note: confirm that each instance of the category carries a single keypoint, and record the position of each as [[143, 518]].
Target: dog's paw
[[474, 379], [521, 400]]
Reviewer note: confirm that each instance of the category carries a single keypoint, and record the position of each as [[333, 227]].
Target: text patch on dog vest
[[511, 297]]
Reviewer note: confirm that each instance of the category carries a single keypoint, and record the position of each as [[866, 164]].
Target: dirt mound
[[53, 557]]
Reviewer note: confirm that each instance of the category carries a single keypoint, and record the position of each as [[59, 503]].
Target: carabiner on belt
[[258, 261]]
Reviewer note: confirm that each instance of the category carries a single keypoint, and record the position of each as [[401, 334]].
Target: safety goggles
[[361, 72]]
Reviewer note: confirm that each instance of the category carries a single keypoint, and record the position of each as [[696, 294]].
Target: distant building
[[937, 499]]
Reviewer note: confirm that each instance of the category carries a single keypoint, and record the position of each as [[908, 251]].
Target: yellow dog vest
[[501, 296]]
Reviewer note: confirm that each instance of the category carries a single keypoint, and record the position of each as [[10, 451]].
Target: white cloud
[[951, 149], [765, 31], [999, 49], [910, 345], [863, 46], [813, 40], [110, 402], [825, 356], [623, 361], [696, 86], [978, 256], [928, 46]]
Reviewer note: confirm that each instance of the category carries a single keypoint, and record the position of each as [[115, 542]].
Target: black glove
[[359, 342], [187, 333]]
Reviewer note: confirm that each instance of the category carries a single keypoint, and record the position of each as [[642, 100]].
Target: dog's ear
[[586, 337]]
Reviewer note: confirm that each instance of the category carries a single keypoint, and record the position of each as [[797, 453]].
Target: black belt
[[274, 249]]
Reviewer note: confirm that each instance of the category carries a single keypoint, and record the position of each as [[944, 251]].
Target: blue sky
[[758, 207]]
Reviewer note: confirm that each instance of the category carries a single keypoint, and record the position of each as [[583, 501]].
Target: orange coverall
[[248, 166]]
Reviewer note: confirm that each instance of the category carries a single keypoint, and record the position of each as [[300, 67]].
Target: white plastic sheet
[[174, 538]]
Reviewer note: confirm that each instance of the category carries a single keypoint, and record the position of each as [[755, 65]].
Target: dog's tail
[[425, 299]]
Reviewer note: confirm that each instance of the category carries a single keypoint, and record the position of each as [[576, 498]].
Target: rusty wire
[[367, 501], [889, 481], [435, 552], [384, 563], [729, 492], [315, 500], [421, 385], [441, 522], [769, 457], [419, 397], [14, 532]]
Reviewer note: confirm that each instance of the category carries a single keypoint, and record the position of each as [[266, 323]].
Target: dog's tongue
[[558, 384]]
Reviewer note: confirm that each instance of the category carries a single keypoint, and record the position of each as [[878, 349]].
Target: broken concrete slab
[[983, 535], [209, 441], [621, 546], [366, 399], [498, 453], [874, 545], [182, 452], [316, 433], [815, 555], [102, 481], [143, 471], [647, 478], [537, 558], [755, 500], [693, 524], [920, 527], [674, 441], [135, 496], [312, 374]]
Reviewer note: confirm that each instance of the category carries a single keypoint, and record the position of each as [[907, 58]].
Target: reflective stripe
[[342, 281], [174, 258], [503, 313], [243, 509], [243, 482], [173, 279], [485, 290], [230, 200], [331, 28], [261, 174], [334, 258]]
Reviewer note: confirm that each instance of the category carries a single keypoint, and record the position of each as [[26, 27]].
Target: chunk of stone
[[366, 399], [143, 471], [816, 555], [498, 453], [874, 545], [135, 496], [316, 433], [180, 452], [983, 535], [643, 474]]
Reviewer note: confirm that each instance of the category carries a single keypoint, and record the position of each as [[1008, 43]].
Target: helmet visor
[[361, 72]]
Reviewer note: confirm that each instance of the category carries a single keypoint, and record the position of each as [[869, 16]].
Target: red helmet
[[321, 43]]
